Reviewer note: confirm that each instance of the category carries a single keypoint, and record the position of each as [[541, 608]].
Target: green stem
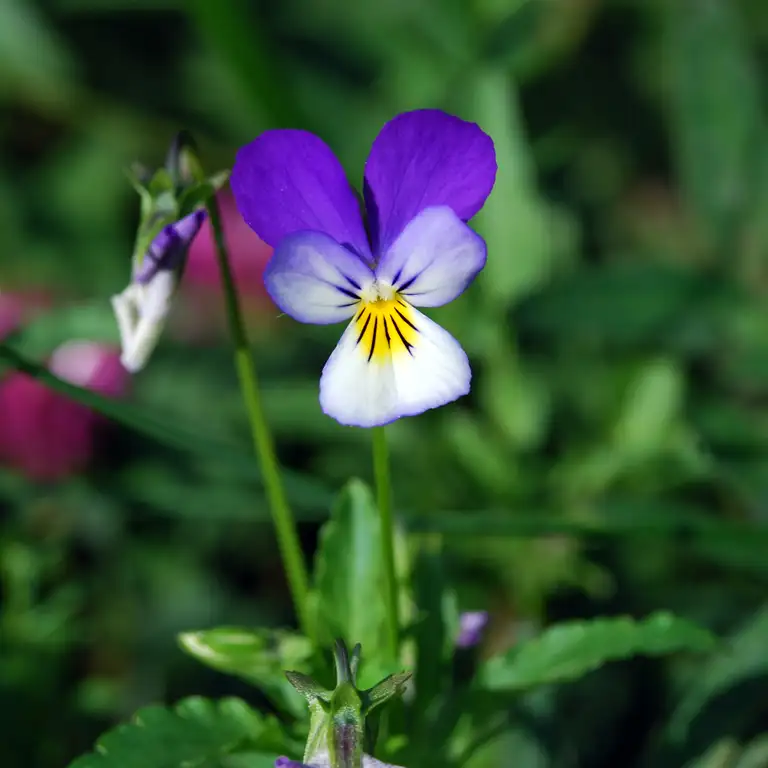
[[287, 538], [384, 498]]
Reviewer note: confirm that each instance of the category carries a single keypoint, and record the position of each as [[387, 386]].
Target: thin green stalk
[[384, 499], [287, 538]]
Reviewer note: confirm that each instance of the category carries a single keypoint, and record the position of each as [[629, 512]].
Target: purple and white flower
[[142, 308], [427, 174]]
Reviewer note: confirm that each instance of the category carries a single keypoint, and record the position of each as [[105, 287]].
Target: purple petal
[[434, 260], [423, 159], [314, 279], [288, 181], [471, 628], [169, 248], [286, 762]]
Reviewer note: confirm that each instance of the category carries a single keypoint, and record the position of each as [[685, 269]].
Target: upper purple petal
[[423, 159], [288, 181]]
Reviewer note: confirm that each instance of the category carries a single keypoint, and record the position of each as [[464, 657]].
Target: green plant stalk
[[384, 500], [285, 526]]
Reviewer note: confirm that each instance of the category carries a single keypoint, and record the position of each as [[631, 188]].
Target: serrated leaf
[[259, 656], [195, 731], [348, 573], [569, 650]]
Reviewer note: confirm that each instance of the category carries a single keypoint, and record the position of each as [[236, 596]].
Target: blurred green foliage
[[613, 455]]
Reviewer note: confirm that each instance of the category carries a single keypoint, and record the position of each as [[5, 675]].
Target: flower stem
[[285, 526], [384, 499]]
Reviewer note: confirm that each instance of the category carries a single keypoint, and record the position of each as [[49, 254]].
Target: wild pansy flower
[[427, 174], [171, 216]]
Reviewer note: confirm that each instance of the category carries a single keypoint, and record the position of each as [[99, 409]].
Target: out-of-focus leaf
[[230, 28], [515, 221], [742, 657], [572, 649], [715, 106], [195, 731], [32, 58], [613, 518], [348, 572], [260, 656], [653, 400], [621, 303]]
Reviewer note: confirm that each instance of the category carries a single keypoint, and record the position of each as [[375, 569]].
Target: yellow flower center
[[385, 328]]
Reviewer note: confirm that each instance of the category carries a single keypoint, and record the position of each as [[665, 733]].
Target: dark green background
[[612, 457]]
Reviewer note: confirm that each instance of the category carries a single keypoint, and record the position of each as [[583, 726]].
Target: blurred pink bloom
[[43, 434], [248, 253], [201, 313]]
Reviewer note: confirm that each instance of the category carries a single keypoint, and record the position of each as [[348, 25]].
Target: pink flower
[[43, 434], [202, 302], [249, 254]]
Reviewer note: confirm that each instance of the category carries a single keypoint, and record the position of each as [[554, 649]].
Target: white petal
[[392, 361], [434, 259]]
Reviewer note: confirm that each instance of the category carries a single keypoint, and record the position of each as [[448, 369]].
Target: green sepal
[[338, 718], [308, 688], [383, 691]]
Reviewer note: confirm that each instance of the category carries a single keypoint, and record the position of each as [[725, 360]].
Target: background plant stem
[[285, 526], [384, 500]]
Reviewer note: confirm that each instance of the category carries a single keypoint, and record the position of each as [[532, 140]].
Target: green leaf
[[569, 650], [259, 656], [348, 573], [195, 731]]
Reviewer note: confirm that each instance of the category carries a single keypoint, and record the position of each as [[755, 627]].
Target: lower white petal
[[392, 361]]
